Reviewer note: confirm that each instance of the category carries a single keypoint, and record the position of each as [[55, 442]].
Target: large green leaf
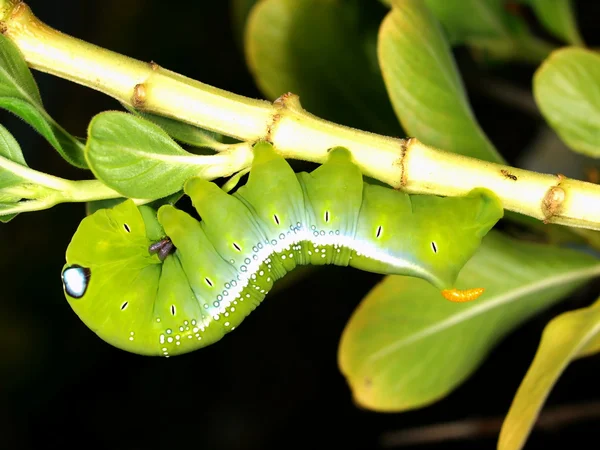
[[558, 18], [406, 347], [324, 51], [424, 85], [569, 336], [137, 158], [567, 90], [19, 94], [472, 20], [490, 27], [239, 10]]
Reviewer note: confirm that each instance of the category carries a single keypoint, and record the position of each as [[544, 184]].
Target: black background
[[275, 381]]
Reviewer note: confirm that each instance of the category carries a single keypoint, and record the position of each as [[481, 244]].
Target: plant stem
[[33, 176], [403, 164], [67, 192]]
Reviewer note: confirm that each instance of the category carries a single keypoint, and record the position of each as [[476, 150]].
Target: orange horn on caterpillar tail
[[462, 296]]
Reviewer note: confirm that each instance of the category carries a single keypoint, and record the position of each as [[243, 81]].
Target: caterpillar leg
[[163, 248], [462, 296]]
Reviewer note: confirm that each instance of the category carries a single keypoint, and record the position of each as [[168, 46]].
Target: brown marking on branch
[[553, 201], [154, 66], [287, 100], [20, 8], [138, 99], [284, 100], [404, 145]]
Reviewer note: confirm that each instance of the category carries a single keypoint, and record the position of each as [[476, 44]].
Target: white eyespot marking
[[237, 247], [76, 280], [326, 216], [210, 283], [433, 247], [124, 306], [276, 219], [379, 231], [127, 228], [173, 310]]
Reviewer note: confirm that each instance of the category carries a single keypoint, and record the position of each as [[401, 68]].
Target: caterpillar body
[[165, 283]]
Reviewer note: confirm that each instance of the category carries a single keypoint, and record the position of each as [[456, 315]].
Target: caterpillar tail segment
[[462, 296]]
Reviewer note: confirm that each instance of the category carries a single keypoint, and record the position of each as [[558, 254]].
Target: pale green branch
[[408, 165]]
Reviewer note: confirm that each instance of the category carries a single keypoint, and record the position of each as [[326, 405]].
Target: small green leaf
[[19, 94], [567, 90], [558, 18], [406, 347], [10, 149], [325, 52], [180, 131], [424, 84], [137, 158], [569, 336]]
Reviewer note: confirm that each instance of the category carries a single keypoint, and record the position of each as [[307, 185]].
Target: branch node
[[404, 145], [553, 201], [286, 101], [289, 101], [154, 66], [138, 99], [19, 9]]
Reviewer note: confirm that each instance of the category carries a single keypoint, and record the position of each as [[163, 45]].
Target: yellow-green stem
[[408, 165]]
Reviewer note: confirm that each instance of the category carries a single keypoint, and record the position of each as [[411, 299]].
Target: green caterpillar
[[167, 284]]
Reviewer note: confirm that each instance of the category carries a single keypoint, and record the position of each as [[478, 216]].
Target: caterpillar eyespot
[[76, 280], [458, 296], [174, 284]]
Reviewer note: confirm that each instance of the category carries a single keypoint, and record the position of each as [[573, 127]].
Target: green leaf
[[92, 207], [168, 200], [239, 10], [19, 94], [180, 131], [10, 149], [406, 347], [569, 336], [558, 18], [424, 84], [471, 20], [489, 27], [137, 158], [567, 90], [324, 51]]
